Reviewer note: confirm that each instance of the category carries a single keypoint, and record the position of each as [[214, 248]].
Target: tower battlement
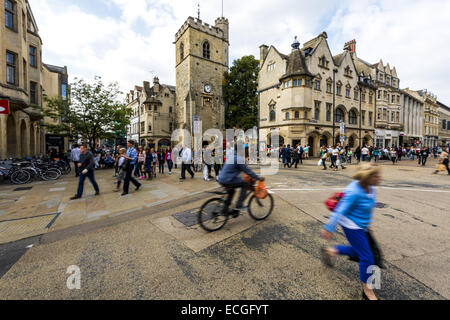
[[202, 26]]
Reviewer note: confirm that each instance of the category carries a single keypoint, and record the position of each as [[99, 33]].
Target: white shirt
[[186, 156], [364, 151], [75, 154]]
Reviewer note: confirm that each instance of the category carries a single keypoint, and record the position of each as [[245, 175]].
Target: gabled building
[[153, 114], [431, 118], [298, 93]]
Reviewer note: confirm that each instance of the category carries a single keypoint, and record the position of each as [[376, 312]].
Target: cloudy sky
[[130, 41]]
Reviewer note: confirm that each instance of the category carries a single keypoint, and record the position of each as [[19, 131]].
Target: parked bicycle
[[214, 215]]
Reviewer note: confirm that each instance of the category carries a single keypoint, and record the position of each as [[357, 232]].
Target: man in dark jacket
[[86, 168], [424, 155]]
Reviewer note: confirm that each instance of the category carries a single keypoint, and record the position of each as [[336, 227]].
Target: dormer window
[[271, 67], [348, 71], [323, 62]]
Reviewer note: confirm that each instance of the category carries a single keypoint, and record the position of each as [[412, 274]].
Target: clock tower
[[201, 61]]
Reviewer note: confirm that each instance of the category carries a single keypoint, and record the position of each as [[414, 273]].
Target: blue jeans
[[170, 165], [90, 176], [359, 247]]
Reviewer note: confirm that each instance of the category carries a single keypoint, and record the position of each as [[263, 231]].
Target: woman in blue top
[[354, 214]]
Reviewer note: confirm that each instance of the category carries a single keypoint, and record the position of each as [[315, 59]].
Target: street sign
[[4, 107]]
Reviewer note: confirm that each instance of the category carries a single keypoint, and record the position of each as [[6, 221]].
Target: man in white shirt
[[75, 156], [186, 158], [364, 153]]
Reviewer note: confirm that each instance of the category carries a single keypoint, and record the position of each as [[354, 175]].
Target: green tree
[[93, 111], [241, 94]]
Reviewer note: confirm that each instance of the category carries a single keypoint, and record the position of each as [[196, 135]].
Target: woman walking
[[148, 164], [354, 214], [169, 159], [141, 159], [323, 157], [161, 161]]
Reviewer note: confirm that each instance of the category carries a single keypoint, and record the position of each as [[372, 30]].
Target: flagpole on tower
[[222, 8], [198, 11]]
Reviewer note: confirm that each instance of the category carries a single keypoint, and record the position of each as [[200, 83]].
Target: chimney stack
[[350, 46], [263, 51], [156, 86]]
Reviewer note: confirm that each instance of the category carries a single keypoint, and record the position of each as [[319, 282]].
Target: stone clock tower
[[201, 61]]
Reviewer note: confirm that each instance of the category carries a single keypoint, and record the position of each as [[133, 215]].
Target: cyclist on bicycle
[[230, 178]]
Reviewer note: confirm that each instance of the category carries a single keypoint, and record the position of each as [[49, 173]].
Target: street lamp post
[[360, 116], [334, 104]]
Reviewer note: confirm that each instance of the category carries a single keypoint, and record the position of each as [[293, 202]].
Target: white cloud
[[410, 35]]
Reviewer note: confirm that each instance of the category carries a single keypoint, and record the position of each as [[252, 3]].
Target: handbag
[[320, 163], [261, 191], [334, 200]]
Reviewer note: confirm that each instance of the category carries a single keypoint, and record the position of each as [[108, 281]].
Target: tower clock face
[[208, 88]]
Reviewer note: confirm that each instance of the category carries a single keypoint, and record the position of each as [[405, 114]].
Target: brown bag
[[440, 167], [261, 191]]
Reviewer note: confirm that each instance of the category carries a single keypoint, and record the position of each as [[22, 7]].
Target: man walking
[[86, 168], [186, 163], [75, 156], [132, 158], [424, 155]]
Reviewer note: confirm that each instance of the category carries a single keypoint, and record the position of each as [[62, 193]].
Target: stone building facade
[[296, 94], [412, 111], [431, 118], [389, 124], [153, 114], [201, 61], [24, 80], [444, 126]]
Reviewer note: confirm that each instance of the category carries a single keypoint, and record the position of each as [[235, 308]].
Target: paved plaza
[[135, 247]]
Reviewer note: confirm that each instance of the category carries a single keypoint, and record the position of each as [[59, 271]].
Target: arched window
[[206, 50], [340, 117], [272, 115], [352, 119], [182, 51]]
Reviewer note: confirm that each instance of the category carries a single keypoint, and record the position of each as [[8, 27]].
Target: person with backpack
[[354, 214], [121, 165]]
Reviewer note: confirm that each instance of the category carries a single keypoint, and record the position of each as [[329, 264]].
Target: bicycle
[[212, 216]]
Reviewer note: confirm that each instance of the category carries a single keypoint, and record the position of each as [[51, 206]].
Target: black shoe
[[192, 177], [97, 193], [124, 194], [138, 187], [75, 198], [326, 258], [235, 214], [364, 296]]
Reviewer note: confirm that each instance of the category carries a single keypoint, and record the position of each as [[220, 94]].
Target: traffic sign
[[4, 107]]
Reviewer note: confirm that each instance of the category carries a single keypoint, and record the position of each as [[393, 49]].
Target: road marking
[[385, 188], [30, 246]]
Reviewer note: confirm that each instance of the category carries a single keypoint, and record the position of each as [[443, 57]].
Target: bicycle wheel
[[211, 217], [20, 177], [260, 209], [51, 174]]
